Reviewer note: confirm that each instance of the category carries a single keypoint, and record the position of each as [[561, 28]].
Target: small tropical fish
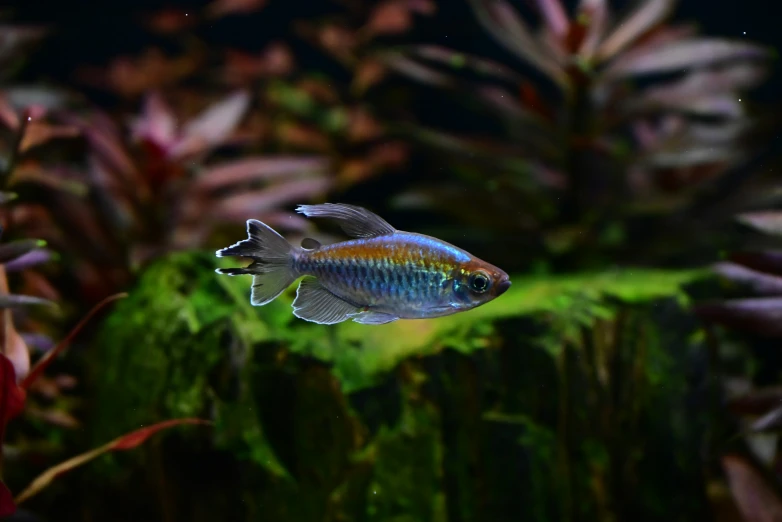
[[382, 275]]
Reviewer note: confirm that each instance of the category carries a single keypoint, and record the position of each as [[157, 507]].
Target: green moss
[[406, 478], [545, 404]]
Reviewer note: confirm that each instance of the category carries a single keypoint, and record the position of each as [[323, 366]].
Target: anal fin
[[316, 304], [371, 317]]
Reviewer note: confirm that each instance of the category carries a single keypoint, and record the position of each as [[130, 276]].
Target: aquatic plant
[[760, 272], [331, 103], [350, 118], [161, 185], [605, 119], [752, 306], [14, 352], [22, 382], [27, 136], [745, 361]]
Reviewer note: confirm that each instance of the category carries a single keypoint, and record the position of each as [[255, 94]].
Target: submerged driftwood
[[571, 398]]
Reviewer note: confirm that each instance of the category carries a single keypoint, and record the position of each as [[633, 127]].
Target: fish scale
[[403, 272]]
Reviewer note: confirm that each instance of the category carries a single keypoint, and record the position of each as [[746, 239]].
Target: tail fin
[[272, 267]]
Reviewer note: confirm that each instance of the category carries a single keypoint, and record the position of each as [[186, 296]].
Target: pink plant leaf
[[105, 142], [755, 499], [49, 178], [756, 402], [770, 421], [703, 92], [13, 250], [44, 99], [678, 153], [38, 342], [510, 30], [686, 54], [716, 105], [736, 77], [126, 442], [213, 126], [555, 17], [8, 115], [456, 60], [238, 207], [252, 170], [769, 261], [762, 315], [416, 70], [645, 17], [662, 35], [504, 102], [594, 14], [157, 123], [764, 284], [219, 8], [388, 18], [768, 221], [17, 300], [39, 133], [287, 221]]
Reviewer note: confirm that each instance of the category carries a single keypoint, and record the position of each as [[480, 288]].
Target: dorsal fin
[[355, 221], [310, 244]]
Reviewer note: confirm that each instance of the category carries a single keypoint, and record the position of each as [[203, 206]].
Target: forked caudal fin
[[272, 267]]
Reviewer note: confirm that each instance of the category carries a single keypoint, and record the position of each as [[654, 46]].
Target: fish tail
[[272, 268]]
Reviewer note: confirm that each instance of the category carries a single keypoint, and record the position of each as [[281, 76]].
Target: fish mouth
[[503, 286]]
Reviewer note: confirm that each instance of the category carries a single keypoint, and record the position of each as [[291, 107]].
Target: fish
[[378, 276]]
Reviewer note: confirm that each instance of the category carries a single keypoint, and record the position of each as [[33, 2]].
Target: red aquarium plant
[[758, 271], [332, 105], [752, 309], [18, 376], [159, 184], [605, 116], [755, 279], [132, 75], [351, 119]]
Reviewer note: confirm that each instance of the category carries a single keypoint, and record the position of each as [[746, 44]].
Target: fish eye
[[479, 282]]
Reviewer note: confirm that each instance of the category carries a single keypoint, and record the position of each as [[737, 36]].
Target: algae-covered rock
[[566, 399]]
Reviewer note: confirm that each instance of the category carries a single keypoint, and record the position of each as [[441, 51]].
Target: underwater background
[[621, 160]]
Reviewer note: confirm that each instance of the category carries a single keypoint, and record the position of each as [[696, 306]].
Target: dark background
[[90, 31]]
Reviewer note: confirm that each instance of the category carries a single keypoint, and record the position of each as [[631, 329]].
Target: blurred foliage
[[29, 317], [332, 106], [566, 375], [750, 371], [149, 186], [193, 160], [597, 140], [616, 130]]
